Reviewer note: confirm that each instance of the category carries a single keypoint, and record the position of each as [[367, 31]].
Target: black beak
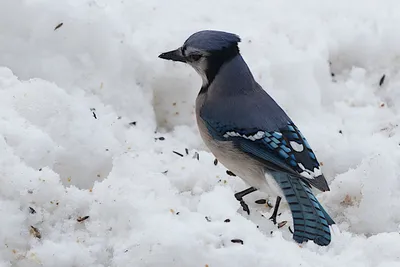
[[175, 55]]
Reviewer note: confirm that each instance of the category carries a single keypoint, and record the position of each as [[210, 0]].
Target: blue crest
[[212, 40]]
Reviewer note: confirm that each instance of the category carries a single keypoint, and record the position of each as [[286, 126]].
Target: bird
[[251, 135]]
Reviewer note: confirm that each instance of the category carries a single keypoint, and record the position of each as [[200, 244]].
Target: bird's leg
[[275, 213], [239, 196]]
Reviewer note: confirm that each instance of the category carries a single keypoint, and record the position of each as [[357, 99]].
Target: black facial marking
[[183, 49], [216, 60], [194, 57]]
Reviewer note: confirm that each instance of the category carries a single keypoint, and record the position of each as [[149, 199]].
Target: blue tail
[[310, 220]]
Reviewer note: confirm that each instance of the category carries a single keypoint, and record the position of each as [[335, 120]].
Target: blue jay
[[250, 134]]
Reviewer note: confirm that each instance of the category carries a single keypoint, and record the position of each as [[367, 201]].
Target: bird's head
[[206, 51]]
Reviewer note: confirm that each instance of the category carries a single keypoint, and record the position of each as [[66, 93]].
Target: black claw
[[273, 219], [275, 213], [245, 206], [239, 196]]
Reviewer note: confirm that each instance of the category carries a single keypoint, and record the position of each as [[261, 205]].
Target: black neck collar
[[215, 61]]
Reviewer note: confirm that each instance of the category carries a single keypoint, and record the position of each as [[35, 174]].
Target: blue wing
[[284, 149]]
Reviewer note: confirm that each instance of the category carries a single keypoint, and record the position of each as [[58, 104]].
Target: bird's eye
[[195, 57]]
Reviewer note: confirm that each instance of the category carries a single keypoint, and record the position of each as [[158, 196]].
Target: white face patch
[[296, 146], [200, 67], [254, 137]]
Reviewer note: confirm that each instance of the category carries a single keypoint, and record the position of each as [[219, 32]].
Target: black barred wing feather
[[285, 149]]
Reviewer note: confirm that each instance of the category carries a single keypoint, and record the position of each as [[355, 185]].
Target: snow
[[147, 206]]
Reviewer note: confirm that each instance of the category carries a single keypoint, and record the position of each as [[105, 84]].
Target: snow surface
[[147, 206]]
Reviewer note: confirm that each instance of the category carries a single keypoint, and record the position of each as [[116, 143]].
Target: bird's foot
[[275, 213], [244, 206], [239, 196]]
